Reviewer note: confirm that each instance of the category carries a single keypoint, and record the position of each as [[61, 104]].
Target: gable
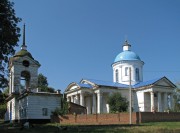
[[75, 86], [159, 82], [164, 82], [72, 86]]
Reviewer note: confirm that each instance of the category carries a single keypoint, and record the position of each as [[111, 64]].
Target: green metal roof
[[23, 53]]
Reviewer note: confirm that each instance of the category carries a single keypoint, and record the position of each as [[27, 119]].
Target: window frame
[[137, 74], [126, 71], [44, 111]]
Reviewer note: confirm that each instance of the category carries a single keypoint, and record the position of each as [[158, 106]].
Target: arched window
[[117, 75], [25, 79], [137, 74]]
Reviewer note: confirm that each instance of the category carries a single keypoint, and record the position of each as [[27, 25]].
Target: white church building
[[26, 102], [147, 96]]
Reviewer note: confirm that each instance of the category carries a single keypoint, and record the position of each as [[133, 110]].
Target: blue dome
[[126, 55]]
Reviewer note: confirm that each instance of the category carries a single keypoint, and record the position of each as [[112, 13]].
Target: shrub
[[117, 103], [61, 110]]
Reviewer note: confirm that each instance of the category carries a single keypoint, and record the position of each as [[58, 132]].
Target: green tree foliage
[[177, 98], [43, 84], [117, 103], [2, 110], [61, 110], [9, 36], [6, 92], [42, 80], [3, 96]]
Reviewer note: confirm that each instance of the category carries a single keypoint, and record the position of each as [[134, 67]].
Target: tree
[[6, 91], [9, 36], [177, 98], [3, 96], [42, 80], [43, 84], [2, 110], [117, 103], [61, 110]]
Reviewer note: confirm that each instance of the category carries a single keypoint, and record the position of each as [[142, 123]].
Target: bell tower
[[23, 70]]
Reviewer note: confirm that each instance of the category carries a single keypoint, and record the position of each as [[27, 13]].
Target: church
[[146, 96], [26, 102]]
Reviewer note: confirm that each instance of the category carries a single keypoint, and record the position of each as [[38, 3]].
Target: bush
[[2, 110], [117, 103], [61, 110]]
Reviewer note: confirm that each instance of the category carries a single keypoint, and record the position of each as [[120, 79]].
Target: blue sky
[[75, 39]]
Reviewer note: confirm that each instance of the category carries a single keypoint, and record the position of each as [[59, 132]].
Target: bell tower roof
[[23, 52]]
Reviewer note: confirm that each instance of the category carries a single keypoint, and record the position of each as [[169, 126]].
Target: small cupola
[[126, 46]]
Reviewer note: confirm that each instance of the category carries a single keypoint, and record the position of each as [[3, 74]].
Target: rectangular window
[[126, 71], [137, 74], [44, 111]]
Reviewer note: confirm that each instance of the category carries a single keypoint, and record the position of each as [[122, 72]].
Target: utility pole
[[130, 98]]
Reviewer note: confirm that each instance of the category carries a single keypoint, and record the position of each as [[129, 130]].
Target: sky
[[76, 39]]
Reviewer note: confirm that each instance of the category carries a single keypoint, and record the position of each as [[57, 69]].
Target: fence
[[118, 118]]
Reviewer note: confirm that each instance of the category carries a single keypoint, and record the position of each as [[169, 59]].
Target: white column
[[165, 101], [107, 106], [152, 101], [72, 99], [171, 101], [68, 99], [99, 102], [159, 102], [76, 99], [94, 111], [81, 99]]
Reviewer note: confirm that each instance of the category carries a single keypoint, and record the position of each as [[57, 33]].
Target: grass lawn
[[155, 127]]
